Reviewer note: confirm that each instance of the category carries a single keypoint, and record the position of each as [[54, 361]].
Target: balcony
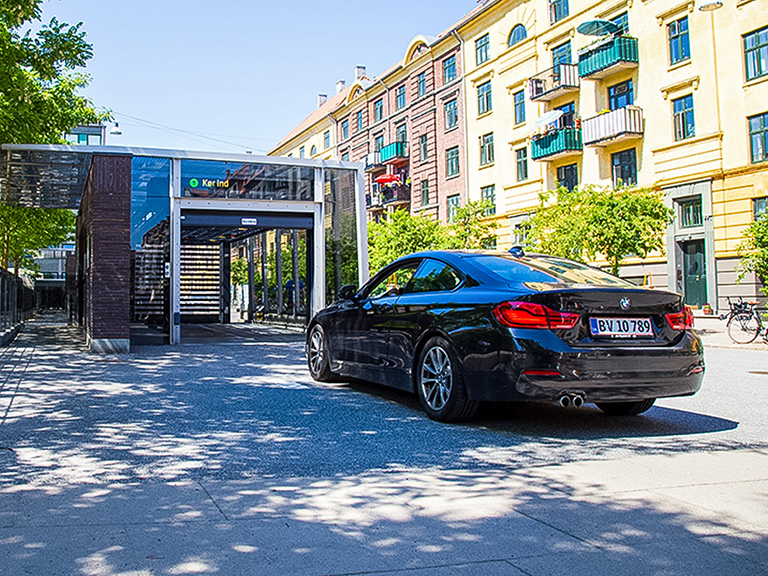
[[373, 162], [556, 144], [614, 126], [607, 56], [396, 194], [373, 201], [554, 82], [394, 153]]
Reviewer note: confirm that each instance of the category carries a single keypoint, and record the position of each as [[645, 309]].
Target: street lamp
[[710, 6]]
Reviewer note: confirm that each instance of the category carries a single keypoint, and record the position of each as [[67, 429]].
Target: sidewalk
[[712, 331]]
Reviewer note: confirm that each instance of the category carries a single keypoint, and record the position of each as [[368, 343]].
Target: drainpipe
[[455, 34]]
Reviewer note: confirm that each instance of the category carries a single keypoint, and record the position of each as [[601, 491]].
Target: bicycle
[[744, 322]]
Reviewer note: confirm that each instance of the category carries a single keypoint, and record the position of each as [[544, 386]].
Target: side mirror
[[348, 292]]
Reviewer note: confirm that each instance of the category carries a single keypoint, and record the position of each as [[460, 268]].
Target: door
[[694, 273]]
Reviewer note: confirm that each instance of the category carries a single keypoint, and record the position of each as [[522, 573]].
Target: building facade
[[654, 93]]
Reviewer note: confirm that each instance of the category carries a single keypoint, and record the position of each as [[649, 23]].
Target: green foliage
[[38, 82], [26, 230], [753, 251], [614, 223], [238, 272], [403, 233]]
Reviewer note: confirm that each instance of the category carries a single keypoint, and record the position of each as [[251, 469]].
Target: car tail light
[[544, 373], [682, 320], [531, 315]]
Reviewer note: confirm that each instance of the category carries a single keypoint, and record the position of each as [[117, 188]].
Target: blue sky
[[236, 75]]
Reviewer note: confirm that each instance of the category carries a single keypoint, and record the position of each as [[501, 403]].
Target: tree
[[38, 105], [591, 221], [470, 228], [753, 251], [400, 234]]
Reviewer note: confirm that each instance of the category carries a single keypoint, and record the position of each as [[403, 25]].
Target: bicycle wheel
[[744, 328]]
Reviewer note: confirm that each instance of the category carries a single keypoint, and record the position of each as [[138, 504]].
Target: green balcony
[[393, 152], [556, 144], [607, 56]]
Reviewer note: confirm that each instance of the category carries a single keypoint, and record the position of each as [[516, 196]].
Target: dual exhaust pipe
[[571, 399]]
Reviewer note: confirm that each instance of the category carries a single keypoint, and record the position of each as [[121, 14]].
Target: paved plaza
[[224, 457]]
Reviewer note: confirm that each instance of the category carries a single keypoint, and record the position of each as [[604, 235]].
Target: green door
[[694, 273]]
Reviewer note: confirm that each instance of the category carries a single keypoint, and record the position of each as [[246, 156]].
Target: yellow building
[[665, 94]]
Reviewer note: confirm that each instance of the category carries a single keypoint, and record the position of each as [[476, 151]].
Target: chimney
[[340, 85], [359, 72], [321, 99]]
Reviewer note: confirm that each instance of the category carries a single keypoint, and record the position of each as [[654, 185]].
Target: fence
[[17, 303]]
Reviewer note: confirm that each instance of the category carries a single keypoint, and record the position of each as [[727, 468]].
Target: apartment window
[[690, 212], [424, 192], [620, 95], [568, 176], [519, 103], [679, 45], [423, 147], [449, 69], [484, 101], [489, 193], [452, 162], [421, 84], [521, 159], [400, 97], [560, 55], [756, 53], [758, 137], [482, 49], [569, 115], [518, 34], [301, 152], [327, 139], [451, 114], [486, 149], [378, 143], [453, 206], [344, 129], [359, 120], [313, 151], [558, 9], [622, 21], [682, 116], [402, 133], [624, 167], [345, 157], [760, 206], [378, 110]]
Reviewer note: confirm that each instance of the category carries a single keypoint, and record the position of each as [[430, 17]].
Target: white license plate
[[621, 327]]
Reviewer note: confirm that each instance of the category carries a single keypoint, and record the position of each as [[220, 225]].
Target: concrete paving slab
[[669, 558]]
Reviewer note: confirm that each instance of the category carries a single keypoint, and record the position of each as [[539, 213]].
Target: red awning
[[388, 179]]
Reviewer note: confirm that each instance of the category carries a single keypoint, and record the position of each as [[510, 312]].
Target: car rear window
[[546, 269]]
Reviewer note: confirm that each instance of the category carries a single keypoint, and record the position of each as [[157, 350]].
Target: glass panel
[[690, 213], [150, 249], [214, 179], [341, 265]]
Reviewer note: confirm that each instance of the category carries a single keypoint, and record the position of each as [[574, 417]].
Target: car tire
[[440, 384], [317, 356], [626, 408]]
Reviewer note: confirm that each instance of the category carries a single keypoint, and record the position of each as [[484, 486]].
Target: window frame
[[486, 149], [760, 207], [424, 188], [682, 128], [378, 110], [615, 98], [515, 35], [483, 49], [521, 164], [400, 101], [489, 193], [566, 177], [678, 41], [453, 203], [449, 69], [484, 98], [558, 10], [519, 107], [452, 165], [760, 65], [451, 114], [620, 160], [421, 84], [762, 137], [359, 120], [327, 139], [344, 129], [423, 147]]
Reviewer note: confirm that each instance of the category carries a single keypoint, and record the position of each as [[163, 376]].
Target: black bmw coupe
[[462, 327]]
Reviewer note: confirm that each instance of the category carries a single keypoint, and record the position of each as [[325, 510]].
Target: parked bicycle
[[744, 322]]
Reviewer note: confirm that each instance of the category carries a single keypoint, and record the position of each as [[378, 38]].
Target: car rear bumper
[[529, 371]]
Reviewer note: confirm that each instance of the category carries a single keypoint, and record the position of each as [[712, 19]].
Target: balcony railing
[[608, 55], [396, 193], [373, 161], [394, 151], [613, 126], [556, 143], [373, 200], [554, 82]]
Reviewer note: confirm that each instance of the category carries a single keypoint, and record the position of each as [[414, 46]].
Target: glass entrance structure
[[156, 230]]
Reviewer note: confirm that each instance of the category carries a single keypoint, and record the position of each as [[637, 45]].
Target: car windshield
[[546, 270]]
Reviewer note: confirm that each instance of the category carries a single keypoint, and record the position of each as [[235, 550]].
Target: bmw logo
[[625, 303]]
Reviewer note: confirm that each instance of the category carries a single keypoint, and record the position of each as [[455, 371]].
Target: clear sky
[[236, 75]]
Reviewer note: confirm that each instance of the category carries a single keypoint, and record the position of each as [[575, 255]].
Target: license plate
[[621, 327]]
